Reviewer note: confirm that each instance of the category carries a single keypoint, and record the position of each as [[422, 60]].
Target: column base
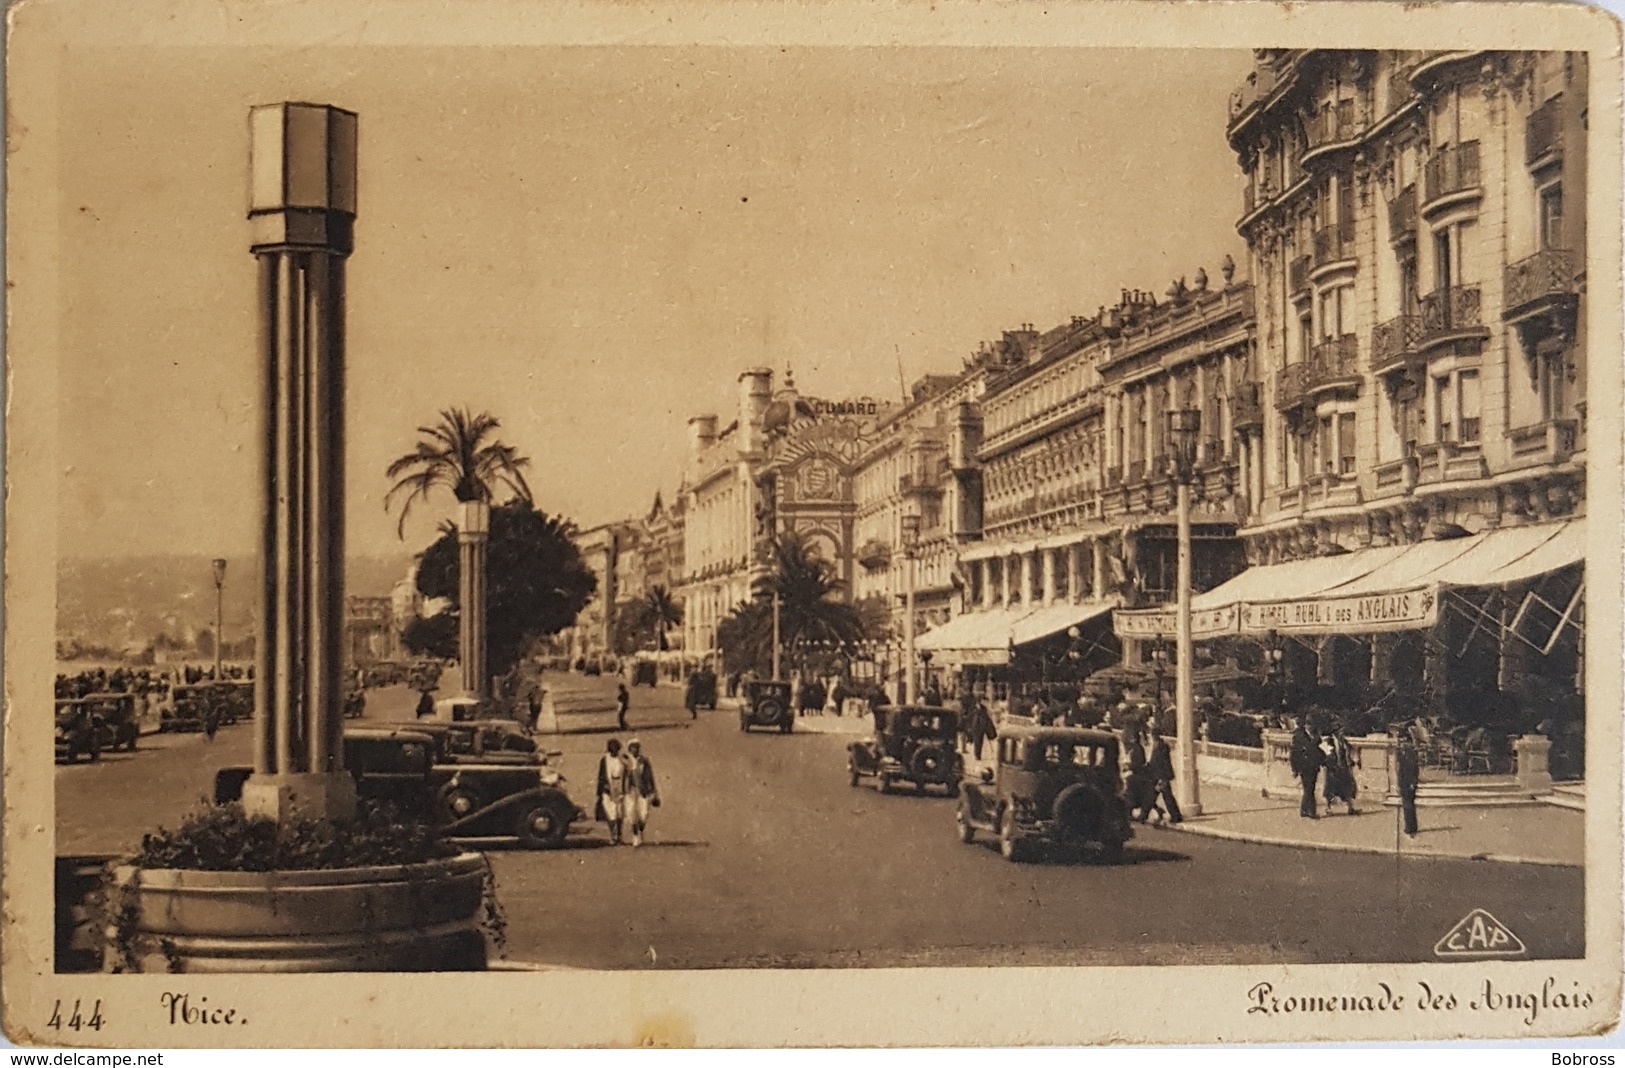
[[323, 795]]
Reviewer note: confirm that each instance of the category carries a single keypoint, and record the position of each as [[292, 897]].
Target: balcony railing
[[1452, 169], [1246, 409], [1334, 243], [1446, 312], [1402, 216], [1298, 274], [1290, 385], [1335, 361], [1400, 91], [1259, 86], [1547, 274], [1334, 125], [1394, 341], [1543, 132]]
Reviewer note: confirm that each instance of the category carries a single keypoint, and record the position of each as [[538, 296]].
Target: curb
[[528, 966], [1186, 827]]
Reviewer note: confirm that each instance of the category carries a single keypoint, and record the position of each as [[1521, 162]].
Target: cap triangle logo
[[1479, 936]]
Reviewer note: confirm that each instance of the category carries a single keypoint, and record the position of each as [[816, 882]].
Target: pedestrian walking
[[642, 793], [1160, 769], [1305, 761], [980, 727], [425, 704], [211, 719], [1408, 773], [612, 789], [535, 706], [623, 701], [1339, 760], [1141, 786]]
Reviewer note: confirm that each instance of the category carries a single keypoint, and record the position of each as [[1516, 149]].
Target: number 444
[[76, 1018]]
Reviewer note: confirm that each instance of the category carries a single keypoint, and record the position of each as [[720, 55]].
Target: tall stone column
[[1075, 580], [473, 534], [1009, 581], [1027, 564], [302, 215], [1047, 556]]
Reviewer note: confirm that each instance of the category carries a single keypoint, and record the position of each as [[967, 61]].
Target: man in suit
[[1160, 769], [1408, 772], [1306, 759], [612, 789]]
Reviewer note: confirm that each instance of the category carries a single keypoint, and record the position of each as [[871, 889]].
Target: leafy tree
[[536, 583], [632, 629], [434, 635], [745, 636], [461, 454]]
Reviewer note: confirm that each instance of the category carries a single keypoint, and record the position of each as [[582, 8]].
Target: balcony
[[1334, 364], [874, 555], [1247, 409], [1298, 275], [1400, 90], [1450, 461], [1258, 88], [1334, 244], [1451, 176], [1543, 134], [1394, 343], [1290, 386], [1328, 491], [1395, 477], [1450, 314], [1336, 126], [1402, 217], [1551, 442]]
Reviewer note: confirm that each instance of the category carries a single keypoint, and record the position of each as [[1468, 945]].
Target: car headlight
[[551, 778]]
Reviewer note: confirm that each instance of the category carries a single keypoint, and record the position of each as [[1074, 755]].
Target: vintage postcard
[[741, 524]]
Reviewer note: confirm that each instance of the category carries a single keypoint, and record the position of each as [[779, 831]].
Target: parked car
[[766, 703], [229, 701], [524, 800], [913, 744], [1049, 785], [115, 714], [643, 673], [77, 731], [473, 741]]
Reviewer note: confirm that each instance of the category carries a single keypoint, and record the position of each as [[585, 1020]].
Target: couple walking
[[626, 790]]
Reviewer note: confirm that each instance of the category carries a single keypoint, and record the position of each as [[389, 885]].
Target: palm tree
[[460, 453], [811, 609], [661, 609]]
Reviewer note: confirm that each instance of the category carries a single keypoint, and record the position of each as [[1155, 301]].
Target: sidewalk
[[1523, 834]]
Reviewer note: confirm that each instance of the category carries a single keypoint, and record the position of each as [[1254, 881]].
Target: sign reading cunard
[[1414, 609]]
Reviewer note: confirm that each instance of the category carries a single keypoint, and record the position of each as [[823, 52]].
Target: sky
[[592, 242]]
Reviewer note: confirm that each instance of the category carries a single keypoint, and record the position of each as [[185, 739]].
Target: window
[[1407, 286], [1306, 337], [1552, 377], [1551, 216], [1325, 443], [1444, 415], [1345, 444], [1468, 405], [1443, 268]]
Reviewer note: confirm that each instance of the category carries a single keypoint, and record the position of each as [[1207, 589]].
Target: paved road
[[763, 855]]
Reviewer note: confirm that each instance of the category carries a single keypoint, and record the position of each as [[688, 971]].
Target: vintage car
[[1055, 785], [913, 744], [77, 731], [701, 690], [644, 673], [766, 703], [192, 704], [467, 799], [472, 741]]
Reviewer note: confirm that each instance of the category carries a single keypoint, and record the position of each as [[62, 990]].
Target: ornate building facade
[[922, 462], [1416, 223]]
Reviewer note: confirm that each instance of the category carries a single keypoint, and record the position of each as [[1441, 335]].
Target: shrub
[[225, 838]]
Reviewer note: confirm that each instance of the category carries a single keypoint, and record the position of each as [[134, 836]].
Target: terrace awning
[[1392, 588], [1055, 618]]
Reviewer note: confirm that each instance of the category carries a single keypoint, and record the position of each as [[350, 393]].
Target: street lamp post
[[1185, 425], [911, 539], [1273, 655], [219, 617]]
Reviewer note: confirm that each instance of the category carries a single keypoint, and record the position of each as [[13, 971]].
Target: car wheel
[[1011, 847], [543, 826], [967, 832]]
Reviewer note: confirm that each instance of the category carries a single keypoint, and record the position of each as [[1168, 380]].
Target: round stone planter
[[406, 918]]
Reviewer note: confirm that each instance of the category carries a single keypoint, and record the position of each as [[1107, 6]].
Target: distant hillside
[[128, 599]]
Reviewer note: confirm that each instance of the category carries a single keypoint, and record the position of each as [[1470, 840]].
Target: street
[[763, 856]]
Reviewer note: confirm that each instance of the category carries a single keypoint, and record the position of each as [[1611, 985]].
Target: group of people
[[1322, 751], [626, 791]]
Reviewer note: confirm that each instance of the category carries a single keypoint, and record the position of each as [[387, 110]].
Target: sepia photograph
[[745, 506]]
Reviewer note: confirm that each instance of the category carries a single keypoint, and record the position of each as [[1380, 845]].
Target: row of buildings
[[1391, 399]]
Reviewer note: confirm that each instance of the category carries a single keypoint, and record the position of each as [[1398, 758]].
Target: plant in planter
[[227, 891]]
